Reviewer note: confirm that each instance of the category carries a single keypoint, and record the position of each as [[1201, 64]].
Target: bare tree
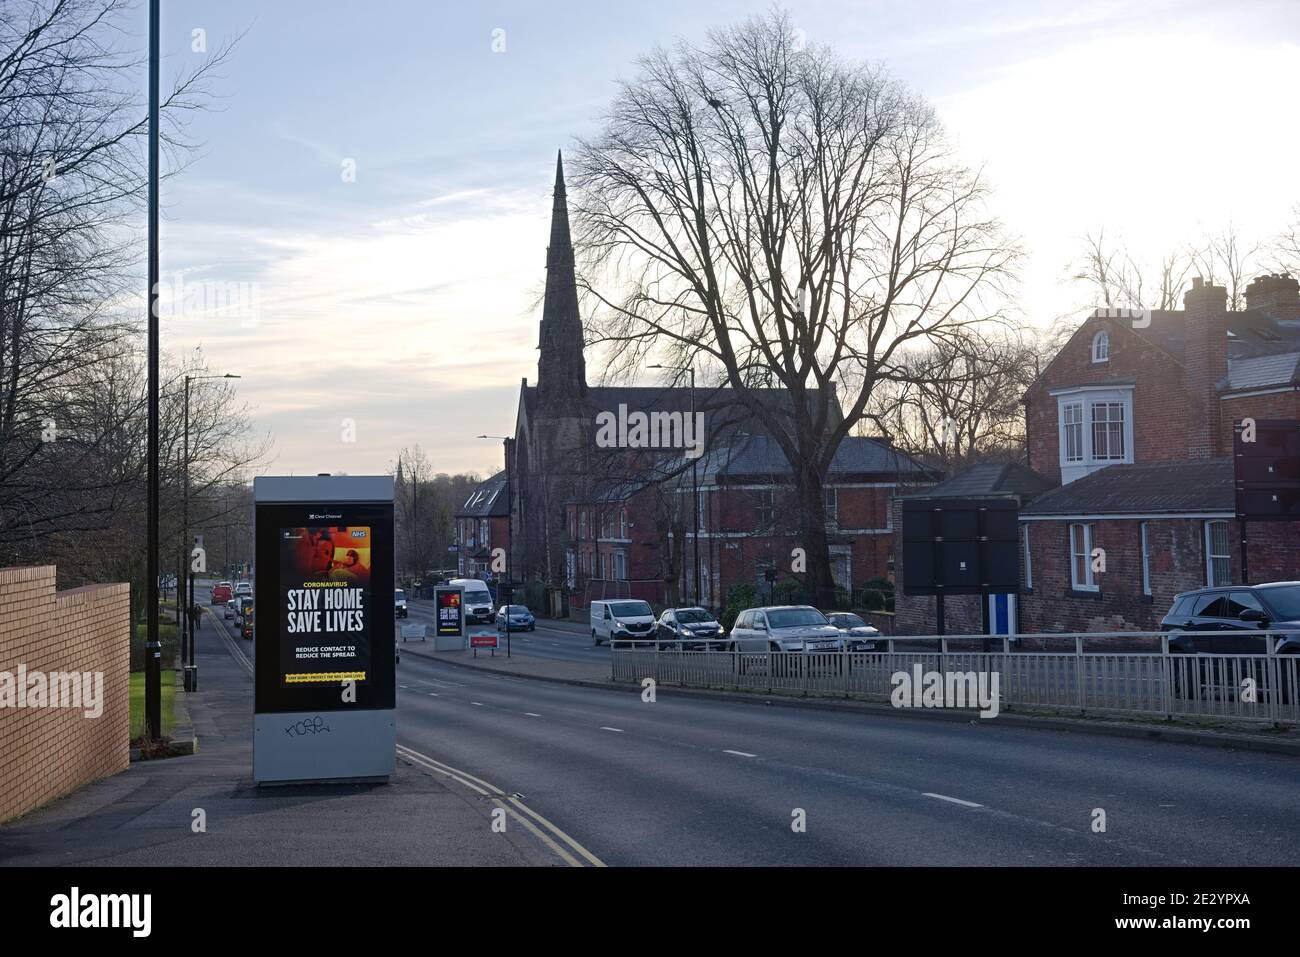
[[790, 220], [1225, 259], [1120, 280], [958, 401]]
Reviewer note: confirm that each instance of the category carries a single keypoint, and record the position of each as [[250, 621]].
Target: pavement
[[146, 815]]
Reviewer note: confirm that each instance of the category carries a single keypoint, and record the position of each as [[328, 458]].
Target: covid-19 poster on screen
[[326, 604]]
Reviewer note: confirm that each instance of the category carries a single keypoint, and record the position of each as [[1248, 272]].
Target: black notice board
[[1266, 471], [961, 546]]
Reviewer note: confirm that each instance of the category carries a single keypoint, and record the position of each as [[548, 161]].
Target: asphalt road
[[685, 781], [558, 641]]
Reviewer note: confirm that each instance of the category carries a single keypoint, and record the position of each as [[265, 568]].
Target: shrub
[[739, 597], [877, 595]]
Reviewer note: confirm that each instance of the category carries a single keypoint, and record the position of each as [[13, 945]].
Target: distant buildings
[[1129, 432]]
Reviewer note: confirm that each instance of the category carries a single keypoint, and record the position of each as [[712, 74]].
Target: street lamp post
[[153, 646], [187, 644], [695, 486], [510, 536]]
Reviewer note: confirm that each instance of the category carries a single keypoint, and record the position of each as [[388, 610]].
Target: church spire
[[561, 369]]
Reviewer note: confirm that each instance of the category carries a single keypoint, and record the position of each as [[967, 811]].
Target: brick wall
[[1272, 405], [1159, 396], [1177, 563], [47, 752]]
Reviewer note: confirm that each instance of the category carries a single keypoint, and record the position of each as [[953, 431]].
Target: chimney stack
[[1267, 291], [1205, 359]]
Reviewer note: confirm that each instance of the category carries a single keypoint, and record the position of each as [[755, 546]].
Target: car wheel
[[594, 640]]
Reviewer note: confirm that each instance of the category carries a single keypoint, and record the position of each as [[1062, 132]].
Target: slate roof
[[1262, 372], [990, 479], [487, 499], [760, 455], [1195, 486]]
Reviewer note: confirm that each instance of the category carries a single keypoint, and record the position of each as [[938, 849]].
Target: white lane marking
[[617, 730], [434, 694], [739, 754], [532, 714], [944, 797], [403, 687], [477, 704]]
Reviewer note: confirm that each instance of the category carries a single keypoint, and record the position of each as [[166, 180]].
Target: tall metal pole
[[187, 640], [153, 646], [695, 507]]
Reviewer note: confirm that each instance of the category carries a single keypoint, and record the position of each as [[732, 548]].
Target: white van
[[477, 600], [621, 618]]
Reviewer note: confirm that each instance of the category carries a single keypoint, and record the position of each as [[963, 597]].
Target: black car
[[685, 624], [1227, 612]]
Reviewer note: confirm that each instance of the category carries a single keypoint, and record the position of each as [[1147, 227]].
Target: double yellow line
[[564, 846]]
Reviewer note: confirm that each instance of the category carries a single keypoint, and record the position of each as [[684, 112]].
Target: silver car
[[784, 628]]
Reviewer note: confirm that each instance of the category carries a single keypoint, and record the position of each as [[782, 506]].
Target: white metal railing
[[1122, 673]]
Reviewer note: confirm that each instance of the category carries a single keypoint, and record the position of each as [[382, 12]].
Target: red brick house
[[619, 543], [1132, 425], [482, 526]]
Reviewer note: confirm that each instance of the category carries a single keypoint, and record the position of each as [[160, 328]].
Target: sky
[[373, 180]]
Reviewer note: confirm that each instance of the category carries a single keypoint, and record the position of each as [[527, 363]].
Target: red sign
[[483, 640]]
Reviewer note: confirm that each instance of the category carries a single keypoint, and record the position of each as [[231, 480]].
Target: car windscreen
[[478, 595], [630, 609], [518, 610], [1284, 600], [399, 595], [847, 621], [794, 617], [693, 614]]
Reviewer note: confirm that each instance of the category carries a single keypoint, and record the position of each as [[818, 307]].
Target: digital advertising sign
[[325, 645]]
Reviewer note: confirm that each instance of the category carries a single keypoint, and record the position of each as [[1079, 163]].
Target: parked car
[[784, 628], [684, 624], [521, 619], [243, 589], [857, 634], [621, 618], [221, 593], [1229, 613], [1229, 610], [399, 603], [476, 600]]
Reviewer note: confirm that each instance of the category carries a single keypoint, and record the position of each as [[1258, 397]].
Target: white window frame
[[1101, 346], [1144, 543], [1210, 557], [764, 506], [1090, 581], [831, 507], [1066, 425], [620, 565], [1084, 402], [1108, 430], [622, 523]]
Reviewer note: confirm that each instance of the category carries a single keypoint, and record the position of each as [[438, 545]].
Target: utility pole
[[153, 646]]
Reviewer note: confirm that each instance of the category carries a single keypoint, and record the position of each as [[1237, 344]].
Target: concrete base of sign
[[324, 746], [450, 643]]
